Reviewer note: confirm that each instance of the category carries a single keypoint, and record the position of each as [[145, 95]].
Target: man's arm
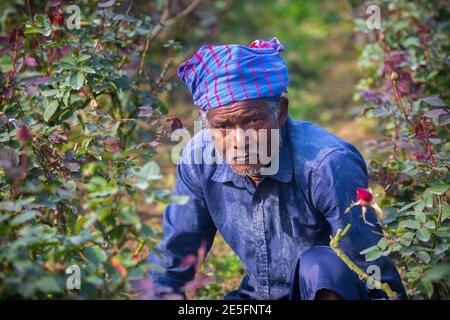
[[334, 185], [185, 227]]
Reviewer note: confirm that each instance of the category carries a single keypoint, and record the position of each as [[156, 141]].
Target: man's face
[[242, 132]]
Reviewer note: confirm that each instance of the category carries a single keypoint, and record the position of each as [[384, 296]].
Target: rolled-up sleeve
[[185, 227], [334, 184]]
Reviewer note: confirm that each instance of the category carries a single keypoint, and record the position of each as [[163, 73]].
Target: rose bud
[[174, 124], [55, 16], [394, 76], [59, 19], [364, 195], [23, 134]]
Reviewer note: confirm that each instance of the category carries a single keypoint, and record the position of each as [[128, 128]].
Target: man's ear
[[283, 105]]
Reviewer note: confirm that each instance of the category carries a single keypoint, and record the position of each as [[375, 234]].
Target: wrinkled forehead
[[243, 108]]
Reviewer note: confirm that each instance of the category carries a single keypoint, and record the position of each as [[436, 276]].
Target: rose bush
[[406, 94], [80, 116]]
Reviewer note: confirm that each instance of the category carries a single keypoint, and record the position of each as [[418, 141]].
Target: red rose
[[55, 16], [364, 195]]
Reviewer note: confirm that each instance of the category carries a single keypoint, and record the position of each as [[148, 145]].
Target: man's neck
[[255, 178]]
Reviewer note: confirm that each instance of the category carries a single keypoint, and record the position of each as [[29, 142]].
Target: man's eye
[[253, 121]]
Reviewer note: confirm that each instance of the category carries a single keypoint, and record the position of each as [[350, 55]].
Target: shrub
[[406, 91], [80, 118]]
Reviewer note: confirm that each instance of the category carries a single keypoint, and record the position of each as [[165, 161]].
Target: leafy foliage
[[80, 118], [406, 91]]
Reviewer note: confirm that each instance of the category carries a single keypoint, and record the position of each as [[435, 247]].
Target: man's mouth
[[246, 158]]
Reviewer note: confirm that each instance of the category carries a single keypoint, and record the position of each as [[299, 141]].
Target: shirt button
[[262, 282], [260, 242]]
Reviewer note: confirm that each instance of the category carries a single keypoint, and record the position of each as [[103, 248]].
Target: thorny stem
[[440, 210], [334, 244], [394, 153], [399, 97]]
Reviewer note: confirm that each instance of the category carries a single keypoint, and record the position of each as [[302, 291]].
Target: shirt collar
[[224, 173]]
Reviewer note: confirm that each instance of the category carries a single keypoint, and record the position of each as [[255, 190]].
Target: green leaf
[[65, 114], [150, 171], [4, 217], [428, 287], [420, 206], [423, 234], [67, 65], [430, 225], [421, 217], [71, 185], [50, 109], [87, 69], [413, 275], [391, 215], [443, 232], [380, 112], [48, 284], [434, 101], [408, 206], [382, 244], [373, 255], [128, 216], [24, 217], [410, 224], [95, 255], [6, 63], [406, 239], [84, 57], [441, 248], [428, 197], [439, 189], [438, 272], [77, 80], [146, 231], [44, 26], [99, 187], [49, 93], [411, 42], [424, 256], [136, 273]]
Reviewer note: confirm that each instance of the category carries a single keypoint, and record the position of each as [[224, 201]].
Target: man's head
[[239, 90], [242, 131]]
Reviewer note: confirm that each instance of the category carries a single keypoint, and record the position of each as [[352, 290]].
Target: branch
[[165, 21], [182, 14], [334, 244]]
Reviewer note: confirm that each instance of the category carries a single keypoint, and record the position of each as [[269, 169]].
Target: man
[[278, 221]]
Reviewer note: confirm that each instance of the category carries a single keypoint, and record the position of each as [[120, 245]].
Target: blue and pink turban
[[220, 75]]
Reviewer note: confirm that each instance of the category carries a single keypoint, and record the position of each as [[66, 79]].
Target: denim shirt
[[269, 226]]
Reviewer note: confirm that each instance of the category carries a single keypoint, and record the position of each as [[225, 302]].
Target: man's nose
[[240, 139]]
